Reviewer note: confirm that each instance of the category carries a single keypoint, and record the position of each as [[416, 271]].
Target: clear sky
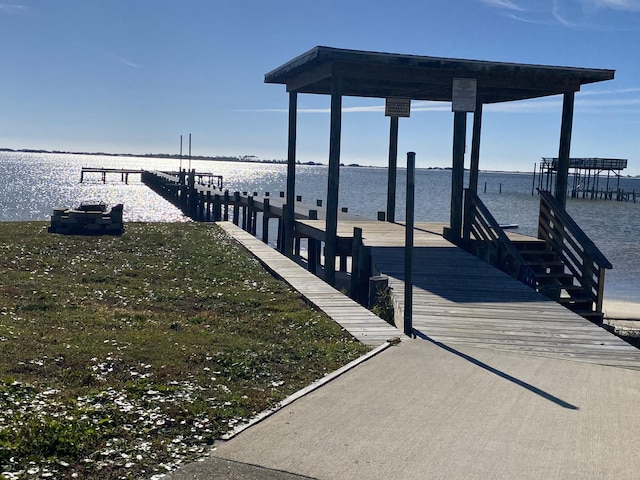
[[133, 75]]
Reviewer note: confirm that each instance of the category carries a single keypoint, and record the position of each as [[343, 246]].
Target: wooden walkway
[[357, 320], [457, 298], [460, 299]]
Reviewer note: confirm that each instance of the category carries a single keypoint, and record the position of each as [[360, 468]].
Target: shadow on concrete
[[495, 371]]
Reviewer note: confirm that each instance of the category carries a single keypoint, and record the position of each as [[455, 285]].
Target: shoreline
[[621, 310], [622, 316]]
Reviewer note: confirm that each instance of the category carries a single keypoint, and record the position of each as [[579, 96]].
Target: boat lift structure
[[588, 176]]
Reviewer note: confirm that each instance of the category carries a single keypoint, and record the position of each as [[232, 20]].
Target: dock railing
[[483, 236], [580, 255]]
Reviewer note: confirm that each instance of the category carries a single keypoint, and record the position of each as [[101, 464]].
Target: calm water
[[31, 185]]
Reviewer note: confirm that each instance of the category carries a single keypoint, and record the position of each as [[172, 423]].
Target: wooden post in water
[[393, 167], [408, 245]]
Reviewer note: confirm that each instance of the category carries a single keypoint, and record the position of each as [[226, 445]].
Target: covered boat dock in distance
[[468, 84], [586, 174]]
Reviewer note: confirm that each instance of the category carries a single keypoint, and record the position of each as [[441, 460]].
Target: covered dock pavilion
[[467, 84]]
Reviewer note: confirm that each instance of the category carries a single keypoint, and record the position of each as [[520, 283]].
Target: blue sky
[[133, 75]]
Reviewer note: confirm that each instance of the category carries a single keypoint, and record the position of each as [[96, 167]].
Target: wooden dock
[[457, 298]]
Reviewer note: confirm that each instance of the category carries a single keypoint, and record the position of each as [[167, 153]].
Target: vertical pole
[[331, 225], [180, 169], [457, 174], [393, 163], [265, 220], [408, 247], [356, 245], [291, 175], [564, 150], [189, 152], [475, 147]]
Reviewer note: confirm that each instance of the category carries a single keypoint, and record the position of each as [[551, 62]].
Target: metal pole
[[408, 247], [180, 153], [393, 161]]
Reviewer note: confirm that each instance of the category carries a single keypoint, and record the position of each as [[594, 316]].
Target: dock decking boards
[[357, 320], [458, 299]]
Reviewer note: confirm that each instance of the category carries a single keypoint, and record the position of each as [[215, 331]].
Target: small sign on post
[[398, 107], [463, 96]]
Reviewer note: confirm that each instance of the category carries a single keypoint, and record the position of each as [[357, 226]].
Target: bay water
[[32, 184]]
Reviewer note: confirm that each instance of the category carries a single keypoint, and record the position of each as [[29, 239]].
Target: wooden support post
[[356, 246], [265, 221], [236, 208], [364, 272], [392, 172], [565, 148], [313, 247], [291, 175], [225, 217], [475, 146], [377, 285], [208, 206], [217, 208], [408, 247], [250, 214], [331, 227], [281, 227], [457, 175]]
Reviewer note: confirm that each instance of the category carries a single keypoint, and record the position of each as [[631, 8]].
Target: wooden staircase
[[554, 280], [562, 263]]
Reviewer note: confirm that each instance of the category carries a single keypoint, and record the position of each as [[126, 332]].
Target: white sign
[[463, 96], [398, 107]]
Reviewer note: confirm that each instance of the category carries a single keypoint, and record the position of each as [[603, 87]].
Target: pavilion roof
[[383, 75]]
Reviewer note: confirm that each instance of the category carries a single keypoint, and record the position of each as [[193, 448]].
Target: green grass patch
[[123, 357]]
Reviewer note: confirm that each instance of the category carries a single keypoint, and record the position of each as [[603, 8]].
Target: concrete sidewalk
[[425, 410]]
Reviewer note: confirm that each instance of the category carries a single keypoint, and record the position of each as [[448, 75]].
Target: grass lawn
[[123, 357]]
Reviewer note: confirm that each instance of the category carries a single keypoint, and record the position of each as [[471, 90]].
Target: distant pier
[[593, 178]]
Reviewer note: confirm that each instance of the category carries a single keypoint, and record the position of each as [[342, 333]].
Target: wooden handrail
[[485, 230], [578, 253]]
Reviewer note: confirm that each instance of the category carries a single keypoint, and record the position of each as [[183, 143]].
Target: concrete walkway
[[447, 410], [404, 414]]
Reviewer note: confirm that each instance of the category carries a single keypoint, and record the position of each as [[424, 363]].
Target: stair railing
[[483, 236], [580, 255]]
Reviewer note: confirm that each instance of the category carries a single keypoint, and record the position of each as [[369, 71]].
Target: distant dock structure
[[589, 179], [199, 178]]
